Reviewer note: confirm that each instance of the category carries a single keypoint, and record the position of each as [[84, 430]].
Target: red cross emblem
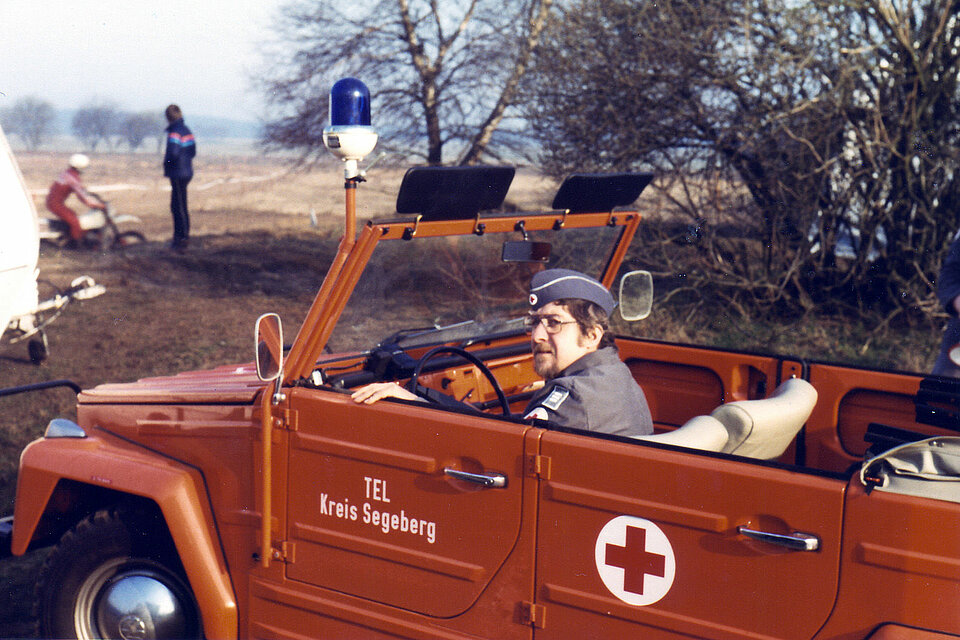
[[635, 560]]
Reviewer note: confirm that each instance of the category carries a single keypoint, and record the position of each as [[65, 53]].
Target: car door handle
[[491, 480], [796, 541]]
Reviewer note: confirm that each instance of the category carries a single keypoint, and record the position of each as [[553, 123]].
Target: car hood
[[234, 384]]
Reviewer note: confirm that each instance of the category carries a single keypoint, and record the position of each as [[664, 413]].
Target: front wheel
[[128, 238], [114, 576]]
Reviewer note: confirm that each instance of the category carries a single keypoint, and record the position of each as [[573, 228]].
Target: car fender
[[900, 632], [177, 489]]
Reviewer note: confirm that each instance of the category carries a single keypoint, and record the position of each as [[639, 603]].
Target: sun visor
[[599, 192], [453, 193]]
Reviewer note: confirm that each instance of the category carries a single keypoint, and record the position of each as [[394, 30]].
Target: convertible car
[[779, 497]]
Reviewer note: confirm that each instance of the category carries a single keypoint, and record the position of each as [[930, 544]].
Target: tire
[[113, 576], [127, 238], [37, 348]]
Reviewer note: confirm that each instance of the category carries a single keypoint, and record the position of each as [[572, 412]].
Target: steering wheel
[[466, 355]]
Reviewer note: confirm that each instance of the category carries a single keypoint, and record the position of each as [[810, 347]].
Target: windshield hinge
[[540, 466], [289, 418], [533, 614]]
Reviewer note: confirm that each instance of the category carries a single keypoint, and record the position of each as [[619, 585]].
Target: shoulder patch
[[539, 413], [555, 399]]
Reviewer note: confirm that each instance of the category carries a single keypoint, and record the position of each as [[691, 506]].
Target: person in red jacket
[[69, 182]]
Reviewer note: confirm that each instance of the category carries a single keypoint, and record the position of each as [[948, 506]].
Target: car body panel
[[178, 491], [372, 511], [725, 585]]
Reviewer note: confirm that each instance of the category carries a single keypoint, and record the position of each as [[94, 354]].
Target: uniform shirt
[[181, 148], [596, 393]]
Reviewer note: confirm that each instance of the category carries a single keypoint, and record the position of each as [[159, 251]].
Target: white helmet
[[79, 161]]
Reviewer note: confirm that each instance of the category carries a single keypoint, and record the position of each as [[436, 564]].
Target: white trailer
[[22, 315]]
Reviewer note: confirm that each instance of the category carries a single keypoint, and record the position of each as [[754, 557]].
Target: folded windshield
[[455, 288]]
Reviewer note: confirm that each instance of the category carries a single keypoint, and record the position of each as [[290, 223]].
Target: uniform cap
[[558, 284]]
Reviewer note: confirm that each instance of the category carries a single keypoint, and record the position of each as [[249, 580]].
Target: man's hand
[[379, 390], [956, 305]]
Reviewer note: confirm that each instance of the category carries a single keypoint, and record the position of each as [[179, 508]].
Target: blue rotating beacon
[[350, 136]]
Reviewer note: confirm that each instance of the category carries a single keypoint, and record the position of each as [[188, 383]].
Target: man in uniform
[[587, 386]]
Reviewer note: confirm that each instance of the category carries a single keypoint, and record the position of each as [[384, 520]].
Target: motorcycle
[[101, 229]]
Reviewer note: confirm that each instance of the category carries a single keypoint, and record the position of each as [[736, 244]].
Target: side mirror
[[269, 341], [636, 295], [525, 251]]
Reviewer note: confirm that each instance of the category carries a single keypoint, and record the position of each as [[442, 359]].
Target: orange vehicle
[[779, 498]]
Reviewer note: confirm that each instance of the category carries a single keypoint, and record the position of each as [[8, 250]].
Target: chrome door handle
[[796, 541], [491, 480]]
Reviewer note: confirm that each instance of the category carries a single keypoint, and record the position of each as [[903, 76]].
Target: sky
[[138, 55]]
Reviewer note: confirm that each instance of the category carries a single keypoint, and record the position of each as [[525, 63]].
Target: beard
[[545, 362]]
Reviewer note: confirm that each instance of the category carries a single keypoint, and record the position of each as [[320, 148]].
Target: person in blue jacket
[[948, 292], [178, 167]]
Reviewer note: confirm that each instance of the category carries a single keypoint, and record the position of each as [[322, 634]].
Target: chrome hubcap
[[139, 600]]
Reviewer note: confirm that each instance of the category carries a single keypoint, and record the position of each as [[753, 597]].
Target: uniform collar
[[600, 356]]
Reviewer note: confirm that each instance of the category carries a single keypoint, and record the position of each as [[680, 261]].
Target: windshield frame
[[326, 310]]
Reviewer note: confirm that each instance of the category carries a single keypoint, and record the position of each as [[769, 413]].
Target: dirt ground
[[263, 234]]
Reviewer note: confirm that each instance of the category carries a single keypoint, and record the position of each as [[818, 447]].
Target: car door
[[404, 504], [642, 538]]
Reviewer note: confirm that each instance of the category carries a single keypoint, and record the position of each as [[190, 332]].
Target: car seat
[[760, 429], [764, 428]]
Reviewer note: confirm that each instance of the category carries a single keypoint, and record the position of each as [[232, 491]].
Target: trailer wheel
[[37, 349], [113, 576]]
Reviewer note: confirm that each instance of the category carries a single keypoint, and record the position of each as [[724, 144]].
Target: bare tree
[[135, 128], [442, 74], [31, 119], [95, 123], [805, 150]]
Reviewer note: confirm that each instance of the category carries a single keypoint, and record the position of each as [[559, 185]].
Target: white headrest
[[764, 428]]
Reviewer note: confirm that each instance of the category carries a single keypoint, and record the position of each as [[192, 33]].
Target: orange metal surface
[[372, 512], [899, 632], [901, 564], [725, 584], [836, 428], [178, 491], [227, 384]]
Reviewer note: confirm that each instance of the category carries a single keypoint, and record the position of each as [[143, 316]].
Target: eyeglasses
[[553, 324]]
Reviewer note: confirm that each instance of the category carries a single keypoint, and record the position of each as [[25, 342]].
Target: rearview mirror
[[636, 295], [269, 341], [525, 251]]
